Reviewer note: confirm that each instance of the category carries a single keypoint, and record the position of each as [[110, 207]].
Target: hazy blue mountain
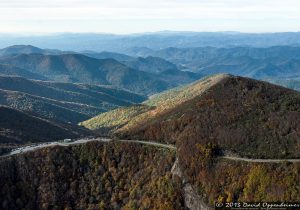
[[200, 53], [156, 41], [62, 101]]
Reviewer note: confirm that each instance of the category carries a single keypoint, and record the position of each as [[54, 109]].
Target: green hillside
[[109, 121]]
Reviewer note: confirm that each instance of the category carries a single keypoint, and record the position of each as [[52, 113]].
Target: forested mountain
[[92, 176], [131, 116], [237, 114], [218, 117]]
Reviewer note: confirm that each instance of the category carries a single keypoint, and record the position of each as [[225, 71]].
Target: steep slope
[[62, 101], [244, 116], [91, 176], [108, 121], [17, 127], [133, 116], [80, 68], [232, 117]]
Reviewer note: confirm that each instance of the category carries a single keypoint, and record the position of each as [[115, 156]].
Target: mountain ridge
[[173, 120]]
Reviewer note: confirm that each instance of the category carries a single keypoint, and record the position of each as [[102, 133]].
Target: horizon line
[[138, 33]]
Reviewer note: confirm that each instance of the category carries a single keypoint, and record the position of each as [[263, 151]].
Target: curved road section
[[261, 160], [67, 143]]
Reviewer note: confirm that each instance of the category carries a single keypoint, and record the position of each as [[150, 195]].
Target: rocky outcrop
[[192, 200]]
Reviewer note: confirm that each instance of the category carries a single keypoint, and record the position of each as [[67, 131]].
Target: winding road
[[260, 160], [25, 149]]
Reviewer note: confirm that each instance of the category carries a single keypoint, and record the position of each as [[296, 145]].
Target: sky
[[135, 16]]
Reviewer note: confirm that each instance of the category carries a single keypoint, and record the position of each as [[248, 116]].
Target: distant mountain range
[[148, 71], [260, 63], [139, 75], [154, 41], [279, 64]]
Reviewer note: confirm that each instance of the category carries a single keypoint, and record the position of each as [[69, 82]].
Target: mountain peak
[[239, 114]]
